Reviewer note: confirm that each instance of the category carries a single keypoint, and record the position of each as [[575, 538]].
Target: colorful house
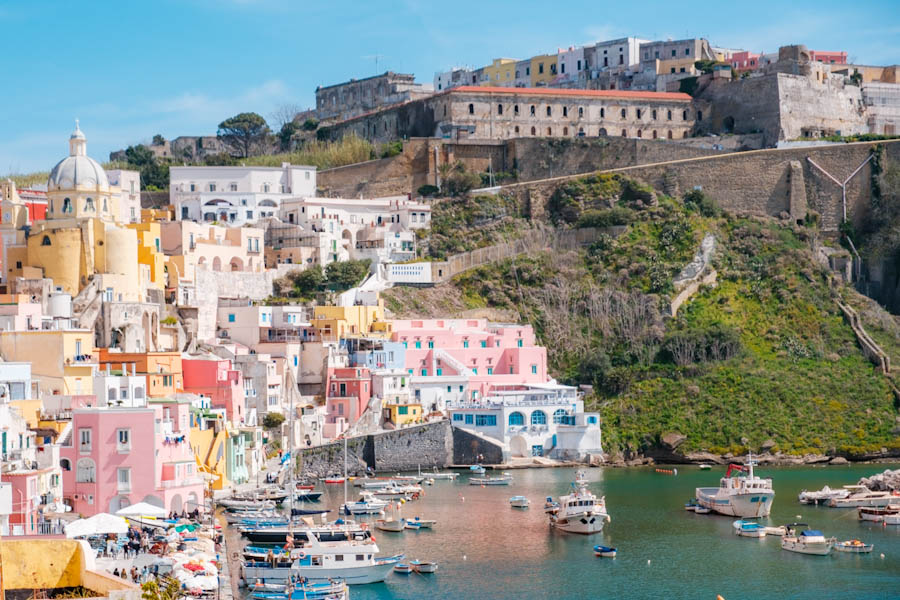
[[163, 370], [347, 395], [62, 361], [215, 379]]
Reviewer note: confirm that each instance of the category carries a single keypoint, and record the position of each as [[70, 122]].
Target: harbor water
[[486, 549]]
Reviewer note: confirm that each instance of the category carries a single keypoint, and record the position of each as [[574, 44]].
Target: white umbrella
[[142, 509], [98, 524]]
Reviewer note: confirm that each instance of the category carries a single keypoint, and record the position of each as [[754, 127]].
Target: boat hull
[[853, 549], [814, 548], [751, 504], [583, 524], [352, 575], [879, 502], [395, 526]]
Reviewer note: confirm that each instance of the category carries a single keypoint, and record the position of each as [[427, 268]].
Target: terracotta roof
[[624, 94]]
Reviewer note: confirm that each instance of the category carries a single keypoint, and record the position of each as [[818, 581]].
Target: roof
[[623, 94]]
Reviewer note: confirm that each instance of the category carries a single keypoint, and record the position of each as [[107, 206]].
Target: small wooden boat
[[778, 531], [394, 525], [502, 480], [446, 476], [403, 568], [691, 505], [423, 566], [604, 551], [519, 502], [412, 525], [854, 547], [702, 510], [425, 523]]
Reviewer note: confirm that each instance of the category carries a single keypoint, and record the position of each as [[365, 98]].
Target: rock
[[883, 482], [703, 457], [673, 440], [594, 460], [744, 441], [813, 459], [839, 460], [767, 445], [693, 390]]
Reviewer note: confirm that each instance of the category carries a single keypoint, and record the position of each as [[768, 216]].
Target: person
[[110, 546], [124, 574], [116, 571]]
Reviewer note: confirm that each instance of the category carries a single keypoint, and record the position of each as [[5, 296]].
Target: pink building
[[829, 58], [217, 380], [486, 354], [348, 392], [745, 61], [115, 457], [32, 493]]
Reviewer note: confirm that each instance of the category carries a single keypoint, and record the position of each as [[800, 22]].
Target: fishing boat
[[425, 523], [335, 479], [701, 510], [395, 491], [580, 512], [476, 470], [805, 541], [277, 534], [691, 505], [325, 590], [402, 568], [877, 515], [862, 496], [744, 495], [519, 502], [823, 496], [392, 521], [503, 479], [367, 504], [423, 566], [853, 547], [704, 467], [242, 504], [604, 551], [780, 530], [411, 525], [748, 528], [445, 476], [304, 496]]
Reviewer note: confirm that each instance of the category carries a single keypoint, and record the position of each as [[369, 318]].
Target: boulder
[[767, 445], [839, 460], [672, 440], [744, 441]]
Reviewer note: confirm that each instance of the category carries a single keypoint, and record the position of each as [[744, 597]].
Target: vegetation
[[26, 180], [273, 420], [154, 173], [243, 133], [164, 588], [348, 150], [466, 223], [456, 180], [765, 353], [340, 276], [305, 284]]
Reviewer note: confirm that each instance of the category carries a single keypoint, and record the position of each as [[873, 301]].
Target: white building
[[119, 388], [417, 272], [533, 420], [455, 77], [615, 56], [129, 183], [570, 64], [236, 195]]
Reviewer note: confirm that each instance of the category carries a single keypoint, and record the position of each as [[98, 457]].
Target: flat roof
[[245, 167], [624, 94]]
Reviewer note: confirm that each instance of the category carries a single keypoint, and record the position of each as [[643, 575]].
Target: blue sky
[[130, 69]]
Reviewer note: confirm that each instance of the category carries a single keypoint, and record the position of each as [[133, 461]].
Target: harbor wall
[[469, 449]]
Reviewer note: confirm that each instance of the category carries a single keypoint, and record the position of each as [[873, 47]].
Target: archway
[[192, 502], [347, 237], [201, 262], [117, 503], [237, 264], [728, 124], [154, 500], [518, 446], [217, 264], [176, 504]]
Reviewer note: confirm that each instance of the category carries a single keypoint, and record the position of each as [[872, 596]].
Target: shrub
[[697, 201], [610, 217], [688, 346], [632, 191], [428, 190], [311, 124], [307, 282], [170, 320], [391, 149], [273, 420], [460, 182], [344, 275]]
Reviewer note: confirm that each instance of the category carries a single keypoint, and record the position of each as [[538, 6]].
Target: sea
[[487, 549]]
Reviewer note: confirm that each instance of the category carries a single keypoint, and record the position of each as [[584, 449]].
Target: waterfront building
[[236, 195], [347, 395]]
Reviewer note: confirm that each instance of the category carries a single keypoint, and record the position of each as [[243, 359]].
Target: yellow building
[[150, 256], [335, 322], [61, 360], [403, 414], [676, 65], [543, 69], [209, 449], [501, 72]]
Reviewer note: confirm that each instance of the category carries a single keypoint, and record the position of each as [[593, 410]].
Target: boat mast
[[345, 470], [292, 487]]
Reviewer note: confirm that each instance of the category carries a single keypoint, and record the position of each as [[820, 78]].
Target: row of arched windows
[[88, 205], [600, 132], [538, 417], [639, 112]]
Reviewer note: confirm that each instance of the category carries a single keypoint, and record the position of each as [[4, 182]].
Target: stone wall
[[753, 183], [212, 285], [470, 449]]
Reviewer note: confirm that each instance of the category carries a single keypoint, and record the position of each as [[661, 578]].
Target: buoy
[[464, 557], [648, 561], [882, 556], [675, 471], [719, 597], [799, 517]]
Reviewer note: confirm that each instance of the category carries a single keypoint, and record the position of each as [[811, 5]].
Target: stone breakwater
[[888, 481]]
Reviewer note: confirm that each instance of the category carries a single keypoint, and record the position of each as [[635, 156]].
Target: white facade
[[536, 420], [418, 272], [570, 63], [391, 386], [236, 195], [16, 382], [119, 388], [616, 56], [455, 77], [129, 183], [6, 508], [437, 393]]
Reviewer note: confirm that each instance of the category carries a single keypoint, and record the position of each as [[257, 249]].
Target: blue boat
[[604, 551]]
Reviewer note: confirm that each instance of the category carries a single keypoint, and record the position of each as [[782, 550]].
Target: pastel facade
[[162, 371], [120, 456], [191, 246], [543, 69], [121, 387], [129, 202], [337, 322], [62, 361], [236, 195], [501, 72], [219, 382], [347, 395]]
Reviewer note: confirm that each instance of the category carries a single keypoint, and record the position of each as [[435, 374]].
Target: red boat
[[334, 480]]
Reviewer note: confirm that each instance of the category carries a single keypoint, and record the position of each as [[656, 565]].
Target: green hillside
[[762, 354]]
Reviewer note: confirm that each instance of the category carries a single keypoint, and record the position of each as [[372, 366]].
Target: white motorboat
[[519, 502], [891, 520], [423, 523], [747, 496], [580, 512], [367, 504], [504, 479], [423, 566], [704, 467], [854, 547], [395, 491], [779, 530], [241, 504], [395, 525], [476, 470], [748, 528], [371, 483], [805, 541], [445, 476], [877, 515], [825, 495], [862, 496]]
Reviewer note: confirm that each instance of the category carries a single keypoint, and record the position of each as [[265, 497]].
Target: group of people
[[136, 575], [138, 541], [194, 514]]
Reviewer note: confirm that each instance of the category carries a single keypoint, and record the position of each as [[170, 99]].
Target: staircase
[[87, 304]]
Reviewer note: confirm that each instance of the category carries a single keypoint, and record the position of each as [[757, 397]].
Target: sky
[[131, 69]]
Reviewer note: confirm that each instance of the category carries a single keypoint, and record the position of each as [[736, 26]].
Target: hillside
[[761, 357]]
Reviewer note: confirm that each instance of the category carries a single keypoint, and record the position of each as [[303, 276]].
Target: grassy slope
[[799, 378]]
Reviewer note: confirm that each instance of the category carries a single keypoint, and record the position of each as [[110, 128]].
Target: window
[[579, 65], [465, 343], [673, 52], [516, 108], [516, 418], [624, 133], [684, 116], [193, 188], [687, 51], [490, 370], [469, 419], [457, 417], [565, 131], [484, 343], [89, 205], [67, 205], [639, 133], [45, 241], [424, 372], [672, 70], [669, 115], [402, 410], [653, 114], [527, 70], [460, 388], [471, 109], [124, 440], [534, 369], [538, 417], [681, 70], [232, 187], [559, 416], [124, 479], [533, 110], [533, 131], [65, 464], [699, 115], [85, 471], [549, 111], [138, 393], [84, 440], [623, 113], [580, 111], [212, 187], [231, 317], [638, 112], [565, 111], [499, 109], [485, 420], [418, 345], [517, 129]]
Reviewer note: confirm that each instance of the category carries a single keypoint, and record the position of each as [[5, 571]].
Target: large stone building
[[357, 96], [469, 112]]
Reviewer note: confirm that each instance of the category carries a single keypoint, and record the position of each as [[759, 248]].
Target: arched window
[[516, 110], [67, 205], [65, 464], [499, 109], [654, 114], [654, 134], [532, 110], [549, 111], [86, 472], [670, 134], [538, 417], [623, 113], [581, 111], [517, 129], [516, 418], [565, 131], [602, 112], [533, 131], [549, 131], [624, 133], [559, 415], [684, 115], [471, 109], [89, 204], [565, 111], [45, 241]]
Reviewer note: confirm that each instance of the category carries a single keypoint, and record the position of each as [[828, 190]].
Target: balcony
[[175, 483]]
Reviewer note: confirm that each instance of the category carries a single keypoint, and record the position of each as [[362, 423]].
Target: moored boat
[[877, 515], [862, 496], [604, 551], [823, 496], [580, 512], [891, 520], [330, 590], [403, 568], [335, 479], [747, 528], [519, 502], [477, 470], [747, 496], [425, 523], [853, 547], [423, 566], [704, 467], [367, 504], [503, 479], [240, 503], [805, 541], [305, 496], [702, 510], [691, 505], [394, 525]]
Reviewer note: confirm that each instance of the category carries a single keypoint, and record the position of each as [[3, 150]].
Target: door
[[537, 450]]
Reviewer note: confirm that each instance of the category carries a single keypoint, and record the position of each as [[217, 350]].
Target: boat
[[335, 479], [372, 483], [331, 532], [877, 515], [411, 525], [580, 512], [747, 496], [702, 510], [326, 590], [262, 553], [503, 479], [396, 491], [242, 504], [691, 505], [402, 568], [704, 467], [805, 541], [519, 502], [779, 530], [551, 506], [854, 547], [423, 566], [308, 496], [477, 470], [825, 495], [748, 528], [891, 520], [860, 495], [604, 551], [445, 476], [301, 512], [249, 516], [425, 523], [416, 479], [367, 504], [392, 521]]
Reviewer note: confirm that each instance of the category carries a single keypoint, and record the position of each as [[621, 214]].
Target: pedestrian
[[124, 574], [110, 545], [145, 542], [116, 571]]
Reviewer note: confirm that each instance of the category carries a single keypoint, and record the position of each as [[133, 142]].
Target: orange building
[[163, 370]]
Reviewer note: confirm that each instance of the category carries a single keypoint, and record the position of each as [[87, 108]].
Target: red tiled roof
[[624, 94]]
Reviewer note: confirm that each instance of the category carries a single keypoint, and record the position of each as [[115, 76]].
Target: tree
[[164, 588], [308, 281], [286, 135], [241, 133], [310, 124], [158, 140], [284, 114], [273, 420], [139, 155], [342, 276]]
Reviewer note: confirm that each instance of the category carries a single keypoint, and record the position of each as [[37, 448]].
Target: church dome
[[77, 169]]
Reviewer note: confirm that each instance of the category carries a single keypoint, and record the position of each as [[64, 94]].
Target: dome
[[77, 169]]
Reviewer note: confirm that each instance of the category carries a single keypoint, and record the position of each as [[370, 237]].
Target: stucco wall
[[212, 285]]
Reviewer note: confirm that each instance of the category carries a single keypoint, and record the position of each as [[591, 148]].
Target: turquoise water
[[486, 549]]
